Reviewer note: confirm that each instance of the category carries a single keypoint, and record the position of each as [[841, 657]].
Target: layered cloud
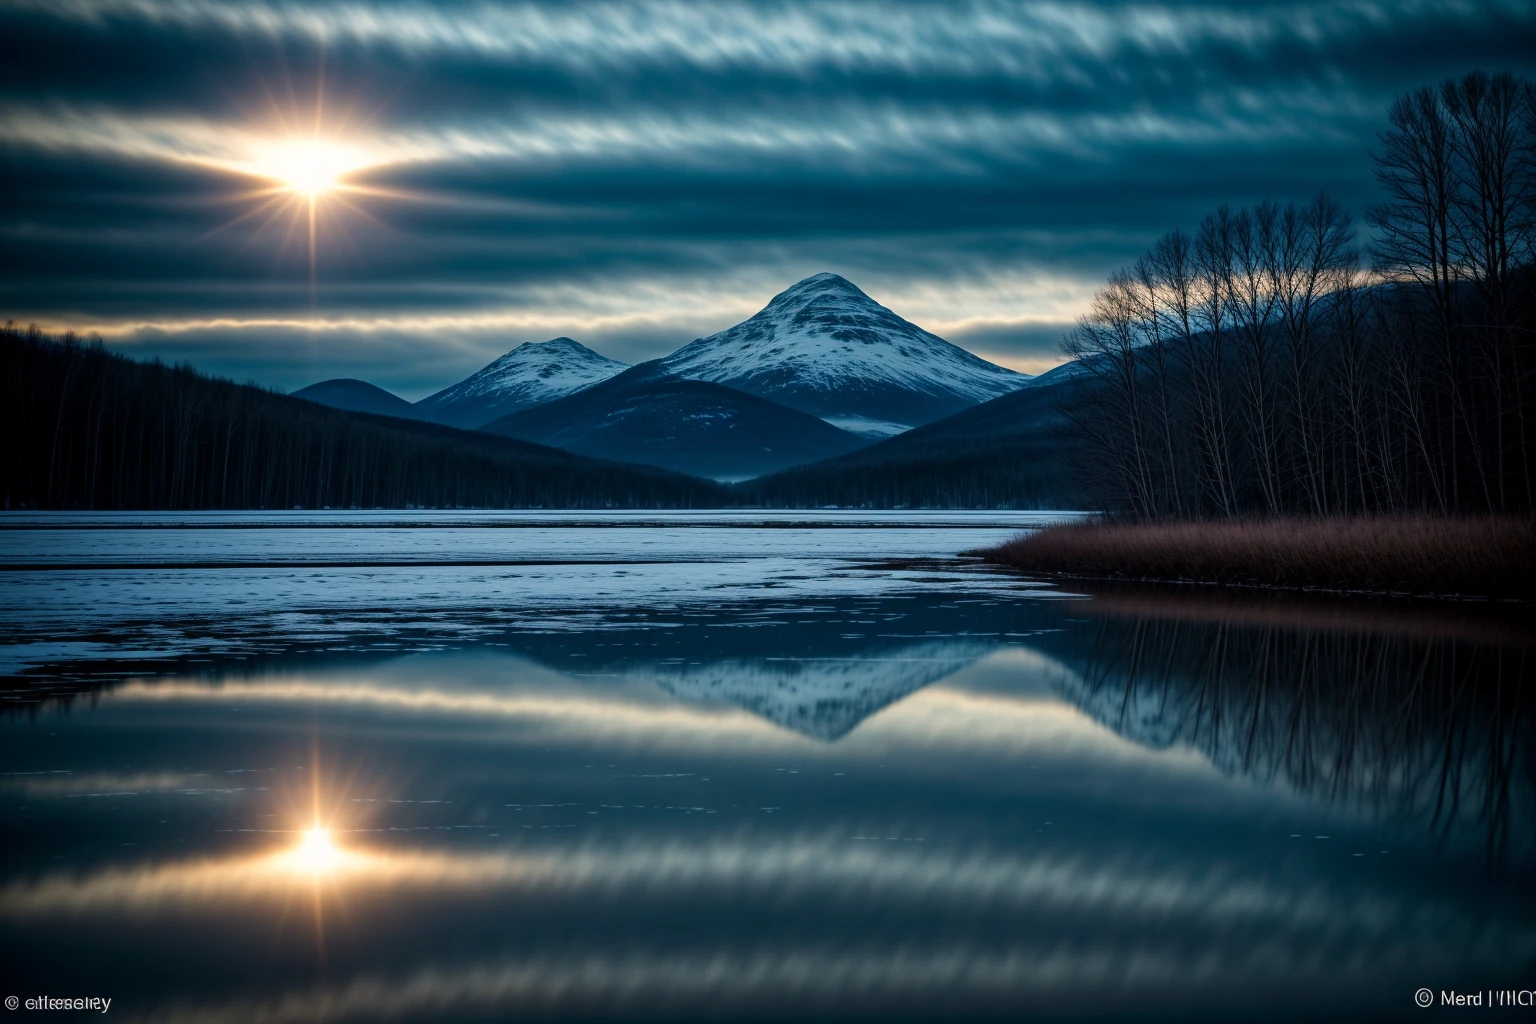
[[635, 175]]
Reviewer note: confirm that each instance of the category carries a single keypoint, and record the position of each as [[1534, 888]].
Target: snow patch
[[865, 427]]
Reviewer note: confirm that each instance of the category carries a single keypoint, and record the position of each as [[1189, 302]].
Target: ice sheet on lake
[[348, 519], [318, 577]]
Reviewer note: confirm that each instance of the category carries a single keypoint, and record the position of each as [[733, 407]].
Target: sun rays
[[305, 160], [302, 177]]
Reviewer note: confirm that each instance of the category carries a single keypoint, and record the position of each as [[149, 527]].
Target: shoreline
[[1452, 559]]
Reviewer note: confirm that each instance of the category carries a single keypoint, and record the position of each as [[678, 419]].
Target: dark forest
[[89, 429]]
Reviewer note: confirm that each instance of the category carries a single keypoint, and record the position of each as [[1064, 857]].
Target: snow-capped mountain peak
[[826, 348], [818, 286], [531, 374], [559, 366]]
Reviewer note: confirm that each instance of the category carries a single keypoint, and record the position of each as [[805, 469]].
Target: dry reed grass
[[1487, 557]]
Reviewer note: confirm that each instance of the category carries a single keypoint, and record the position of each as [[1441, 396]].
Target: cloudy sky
[[635, 175]]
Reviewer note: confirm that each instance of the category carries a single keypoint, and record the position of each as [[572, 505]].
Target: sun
[[316, 852], [305, 174], [309, 167]]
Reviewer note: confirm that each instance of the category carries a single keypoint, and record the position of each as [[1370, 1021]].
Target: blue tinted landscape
[[765, 510], [704, 764]]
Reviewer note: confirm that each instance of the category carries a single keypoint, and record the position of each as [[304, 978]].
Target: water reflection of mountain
[[818, 671], [1389, 708], [802, 681], [818, 668], [824, 698]]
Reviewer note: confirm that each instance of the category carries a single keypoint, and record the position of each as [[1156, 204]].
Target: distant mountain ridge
[[824, 347], [649, 416], [821, 371], [354, 395], [531, 374]]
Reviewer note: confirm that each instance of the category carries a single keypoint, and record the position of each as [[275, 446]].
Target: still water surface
[[702, 765]]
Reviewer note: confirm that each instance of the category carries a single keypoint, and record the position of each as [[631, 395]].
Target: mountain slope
[[531, 374], [649, 416], [357, 396], [827, 349], [1014, 451]]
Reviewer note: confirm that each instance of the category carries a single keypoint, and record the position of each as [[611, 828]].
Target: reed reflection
[[1420, 712]]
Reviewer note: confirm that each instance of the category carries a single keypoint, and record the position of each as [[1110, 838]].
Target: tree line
[[1267, 363], [1011, 452], [1000, 473], [89, 429]]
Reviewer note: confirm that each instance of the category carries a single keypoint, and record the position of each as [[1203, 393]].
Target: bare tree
[[1148, 294], [1493, 220], [1254, 293], [1213, 262], [1416, 239], [1314, 254], [1106, 342]]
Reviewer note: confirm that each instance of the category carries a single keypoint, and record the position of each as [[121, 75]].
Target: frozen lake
[[685, 765], [95, 589]]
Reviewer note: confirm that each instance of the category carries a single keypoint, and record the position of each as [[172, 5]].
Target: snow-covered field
[[757, 542], [109, 587], [831, 518]]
